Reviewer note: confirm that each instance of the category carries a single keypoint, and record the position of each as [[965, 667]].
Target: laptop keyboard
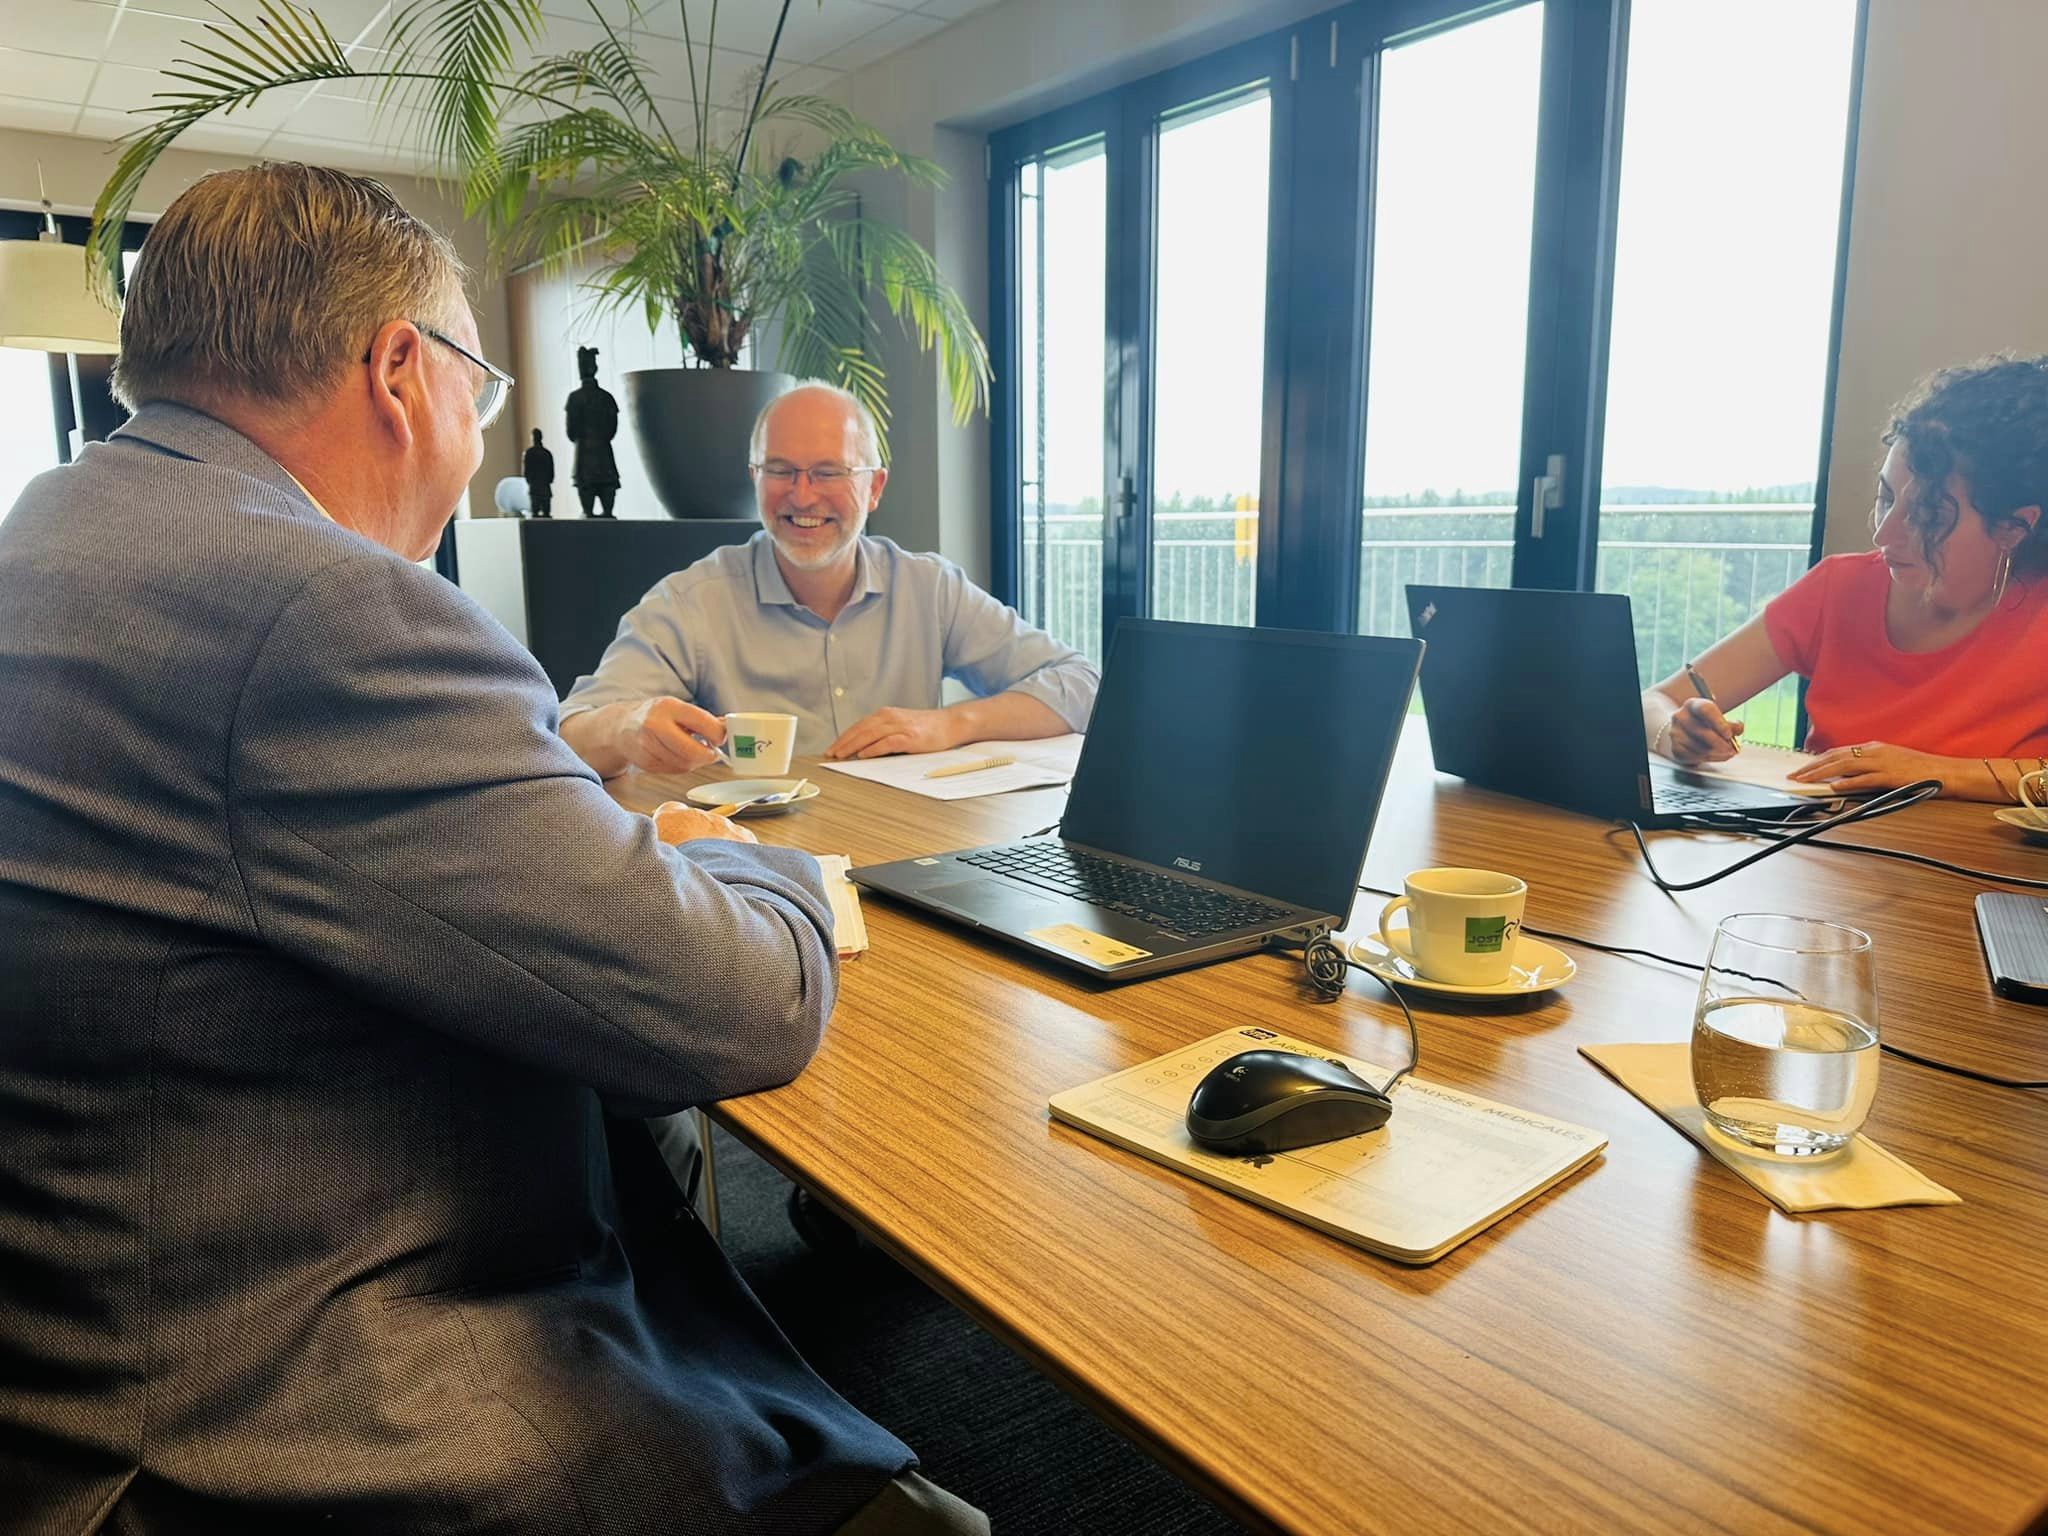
[[1192, 911], [1683, 799]]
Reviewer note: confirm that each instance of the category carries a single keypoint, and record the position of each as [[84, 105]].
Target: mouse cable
[[1879, 805], [1694, 965], [1774, 831], [1325, 961]]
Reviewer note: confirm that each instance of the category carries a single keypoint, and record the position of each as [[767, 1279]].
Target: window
[[1063, 208], [1450, 303], [1208, 357], [1724, 268], [1530, 292]]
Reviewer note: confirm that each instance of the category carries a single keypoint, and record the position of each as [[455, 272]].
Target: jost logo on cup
[[760, 742], [1461, 924]]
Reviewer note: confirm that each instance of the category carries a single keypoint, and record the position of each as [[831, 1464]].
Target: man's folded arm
[[406, 820]]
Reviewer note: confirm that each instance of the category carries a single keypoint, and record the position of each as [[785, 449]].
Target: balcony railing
[[1693, 572]]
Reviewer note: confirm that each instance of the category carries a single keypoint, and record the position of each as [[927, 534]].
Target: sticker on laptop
[[1099, 947]]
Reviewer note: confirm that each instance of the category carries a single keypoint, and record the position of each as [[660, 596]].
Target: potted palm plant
[[575, 156]]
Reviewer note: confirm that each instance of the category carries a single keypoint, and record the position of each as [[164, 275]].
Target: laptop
[[1224, 795], [1535, 693]]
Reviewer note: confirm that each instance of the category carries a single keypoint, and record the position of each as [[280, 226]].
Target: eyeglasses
[[491, 394], [823, 477], [496, 387]]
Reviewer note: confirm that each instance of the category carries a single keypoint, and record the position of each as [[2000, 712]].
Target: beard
[[815, 549]]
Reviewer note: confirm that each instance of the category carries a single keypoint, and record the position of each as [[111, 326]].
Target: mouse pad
[[1447, 1164]]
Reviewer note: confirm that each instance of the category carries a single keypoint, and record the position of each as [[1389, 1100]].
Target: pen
[[974, 767], [1700, 683]]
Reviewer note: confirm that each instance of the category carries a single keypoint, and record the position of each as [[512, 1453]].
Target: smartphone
[[2014, 929]]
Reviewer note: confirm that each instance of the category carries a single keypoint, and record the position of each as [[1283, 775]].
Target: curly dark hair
[[1986, 422]]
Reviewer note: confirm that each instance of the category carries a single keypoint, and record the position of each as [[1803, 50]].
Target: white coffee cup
[[2036, 811], [1461, 925], [759, 745]]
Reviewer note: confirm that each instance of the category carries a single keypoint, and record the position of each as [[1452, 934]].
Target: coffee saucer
[[709, 797], [2013, 816], [1536, 967]]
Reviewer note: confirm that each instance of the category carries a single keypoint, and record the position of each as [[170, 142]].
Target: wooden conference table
[[1650, 1346]]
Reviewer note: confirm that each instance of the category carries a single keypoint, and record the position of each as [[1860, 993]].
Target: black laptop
[[1225, 795], [1535, 693]]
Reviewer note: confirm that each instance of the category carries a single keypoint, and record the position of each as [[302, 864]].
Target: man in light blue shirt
[[810, 617]]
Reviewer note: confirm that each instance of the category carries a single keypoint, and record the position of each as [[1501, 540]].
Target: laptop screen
[[1534, 693], [1253, 757]]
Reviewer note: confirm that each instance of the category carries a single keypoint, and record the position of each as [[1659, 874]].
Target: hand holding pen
[[1700, 733]]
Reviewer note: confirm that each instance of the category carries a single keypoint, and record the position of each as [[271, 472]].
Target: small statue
[[539, 469], [593, 423]]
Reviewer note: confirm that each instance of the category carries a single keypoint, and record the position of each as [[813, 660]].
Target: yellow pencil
[[974, 767]]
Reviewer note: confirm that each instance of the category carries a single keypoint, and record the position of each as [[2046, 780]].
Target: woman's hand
[[1874, 765], [1700, 733]]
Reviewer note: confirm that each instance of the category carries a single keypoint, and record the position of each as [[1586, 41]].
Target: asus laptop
[[1225, 795], [1535, 693]]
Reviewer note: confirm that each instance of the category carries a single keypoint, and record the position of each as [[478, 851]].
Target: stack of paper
[[1032, 765], [849, 928]]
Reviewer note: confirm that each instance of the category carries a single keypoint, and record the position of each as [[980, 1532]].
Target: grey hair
[[870, 438], [265, 284]]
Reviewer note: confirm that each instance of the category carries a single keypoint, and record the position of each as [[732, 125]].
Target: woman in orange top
[[1927, 657]]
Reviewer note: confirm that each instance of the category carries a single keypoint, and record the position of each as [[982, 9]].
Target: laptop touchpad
[[997, 899]]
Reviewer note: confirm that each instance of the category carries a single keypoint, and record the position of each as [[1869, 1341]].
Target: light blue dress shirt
[[727, 634]]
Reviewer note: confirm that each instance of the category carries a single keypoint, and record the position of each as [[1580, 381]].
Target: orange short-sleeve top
[[1984, 696]]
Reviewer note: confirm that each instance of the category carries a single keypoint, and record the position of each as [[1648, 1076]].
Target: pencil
[[974, 767]]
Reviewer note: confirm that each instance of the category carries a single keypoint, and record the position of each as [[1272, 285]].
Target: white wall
[[75, 169], [1948, 242], [1945, 263]]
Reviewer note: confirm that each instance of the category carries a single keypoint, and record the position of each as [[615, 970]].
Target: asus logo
[[1194, 865]]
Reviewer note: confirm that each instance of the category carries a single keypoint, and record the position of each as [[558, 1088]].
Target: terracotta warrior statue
[[593, 423]]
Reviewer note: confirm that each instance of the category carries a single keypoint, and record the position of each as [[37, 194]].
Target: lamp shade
[[46, 304]]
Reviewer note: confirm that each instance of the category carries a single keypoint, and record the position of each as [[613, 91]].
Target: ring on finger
[[1855, 751]]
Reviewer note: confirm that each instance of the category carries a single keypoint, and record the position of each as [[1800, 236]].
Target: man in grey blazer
[[325, 960]]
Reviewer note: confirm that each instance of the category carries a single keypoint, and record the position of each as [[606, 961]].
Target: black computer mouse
[[1274, 1101]]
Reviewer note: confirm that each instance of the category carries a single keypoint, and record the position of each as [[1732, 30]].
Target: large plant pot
[[692, 425]]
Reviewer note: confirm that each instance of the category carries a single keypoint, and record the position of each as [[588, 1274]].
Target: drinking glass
[[1784, 1036]]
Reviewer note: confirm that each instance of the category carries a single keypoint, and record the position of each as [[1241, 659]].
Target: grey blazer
[[321, 958]]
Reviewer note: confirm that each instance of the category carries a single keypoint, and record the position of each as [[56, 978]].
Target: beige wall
[[75, 169], [1950, 221], [1944, 260]]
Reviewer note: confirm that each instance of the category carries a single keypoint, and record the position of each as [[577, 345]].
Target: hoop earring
[[2004, 576]]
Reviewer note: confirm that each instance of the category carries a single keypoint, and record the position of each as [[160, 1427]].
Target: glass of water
[[1784, 1037]]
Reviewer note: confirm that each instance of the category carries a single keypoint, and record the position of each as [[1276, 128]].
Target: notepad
[[1446, 1166], [849, 927], [1763, 767], [1033, 765]]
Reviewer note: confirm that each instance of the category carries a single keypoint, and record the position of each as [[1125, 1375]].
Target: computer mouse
[[1275, 1101]]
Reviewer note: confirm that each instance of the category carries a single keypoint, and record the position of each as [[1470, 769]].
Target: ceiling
[[81, 66]]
